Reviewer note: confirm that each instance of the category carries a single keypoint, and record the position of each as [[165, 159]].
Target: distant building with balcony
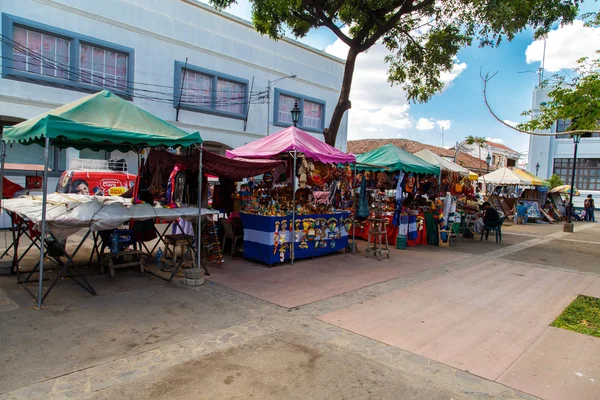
[[501, 155], [554, 155]]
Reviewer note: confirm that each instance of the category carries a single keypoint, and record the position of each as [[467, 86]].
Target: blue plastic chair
[[495, 227]]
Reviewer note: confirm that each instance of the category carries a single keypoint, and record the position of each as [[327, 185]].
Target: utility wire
[[76, 72]]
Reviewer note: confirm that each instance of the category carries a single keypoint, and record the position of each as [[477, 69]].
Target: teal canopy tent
[[102, 121], [392, 158]]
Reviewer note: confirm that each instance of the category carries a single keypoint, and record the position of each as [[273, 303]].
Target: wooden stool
[[378, 228], [182, 242], [109, 260]]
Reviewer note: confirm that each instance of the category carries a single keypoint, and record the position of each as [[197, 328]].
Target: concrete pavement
[[205, 336]]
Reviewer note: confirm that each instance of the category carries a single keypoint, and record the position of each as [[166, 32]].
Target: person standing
[[589, 207]]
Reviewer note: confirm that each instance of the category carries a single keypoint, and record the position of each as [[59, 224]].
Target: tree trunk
[[343, 103]]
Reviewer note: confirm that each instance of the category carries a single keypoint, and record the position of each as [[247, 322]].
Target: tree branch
[[486, 79], [406, 8], [327, 21]]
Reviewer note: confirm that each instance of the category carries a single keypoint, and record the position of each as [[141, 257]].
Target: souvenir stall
[[308, 202], [459, 182], [172, 179], [522, 186], [102, 121], [559, 196], [397, 186]]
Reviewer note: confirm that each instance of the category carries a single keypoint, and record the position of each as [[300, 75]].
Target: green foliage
[[582, 315], [555, 181], [423, 36], [478, 140], [575, 99]]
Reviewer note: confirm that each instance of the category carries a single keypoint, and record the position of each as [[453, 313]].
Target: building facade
[[181, 60], [554, 155], [501, 155]]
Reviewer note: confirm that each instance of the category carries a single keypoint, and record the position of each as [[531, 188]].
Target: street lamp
[[295, 114], [488, 161], [576, 139], [537, 168], [269, 85]]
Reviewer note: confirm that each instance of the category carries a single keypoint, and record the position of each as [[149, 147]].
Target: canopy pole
[[199, 228], [43, 229], [354, 213], [293, 240], [2, 159]]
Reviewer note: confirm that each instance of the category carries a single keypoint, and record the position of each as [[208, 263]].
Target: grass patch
[[582, 315]]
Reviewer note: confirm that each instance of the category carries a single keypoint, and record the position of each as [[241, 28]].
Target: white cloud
[[448, 76], [564, 46], [511, 123], [444, 124], [494, 140], [425, 124], [375, 102]]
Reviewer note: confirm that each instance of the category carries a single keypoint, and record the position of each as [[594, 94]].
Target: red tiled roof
[[463, 159], [500, 146]]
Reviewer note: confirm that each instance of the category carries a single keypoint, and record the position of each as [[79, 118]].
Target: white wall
[[544, 149], [163, 31]]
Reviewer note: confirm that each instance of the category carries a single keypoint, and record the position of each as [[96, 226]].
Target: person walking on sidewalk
[[589, 207]]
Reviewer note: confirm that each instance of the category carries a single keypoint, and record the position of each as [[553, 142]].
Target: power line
[[254, 98], [76, 72]]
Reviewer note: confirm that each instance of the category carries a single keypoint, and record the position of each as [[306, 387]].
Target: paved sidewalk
[[205, 336]]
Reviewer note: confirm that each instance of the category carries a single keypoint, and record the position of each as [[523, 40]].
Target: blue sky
[[382, 111]]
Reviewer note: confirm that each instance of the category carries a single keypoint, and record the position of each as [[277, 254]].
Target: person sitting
[[490, 215], [522, 211]]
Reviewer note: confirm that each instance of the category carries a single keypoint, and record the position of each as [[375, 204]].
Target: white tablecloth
[[66, 214]]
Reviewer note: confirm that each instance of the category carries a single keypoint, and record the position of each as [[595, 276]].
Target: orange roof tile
[[463, 159]]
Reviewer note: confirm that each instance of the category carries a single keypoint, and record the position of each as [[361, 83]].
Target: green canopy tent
[[390, 157], [102, 121]]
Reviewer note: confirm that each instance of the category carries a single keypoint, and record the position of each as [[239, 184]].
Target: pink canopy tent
[[291, 139]]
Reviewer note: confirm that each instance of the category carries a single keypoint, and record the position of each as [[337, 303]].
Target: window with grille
[[563, 125], [312, 111], [587, 172], [286, 104], [212, 92], [196, 89], [230, 96], [44, 54], [103, 67], [312, 114], [40, 53]]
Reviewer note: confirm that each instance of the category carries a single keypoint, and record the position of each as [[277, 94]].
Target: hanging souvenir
[[409, 185]]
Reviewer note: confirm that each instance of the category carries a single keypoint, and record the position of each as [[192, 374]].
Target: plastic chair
[[496, 227], [230, 232]]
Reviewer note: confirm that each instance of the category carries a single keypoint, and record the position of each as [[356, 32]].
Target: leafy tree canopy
[[555, 181], [423, 36], [574, 99]]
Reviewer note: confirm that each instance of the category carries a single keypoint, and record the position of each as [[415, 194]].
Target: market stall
[[397, 185], [102, 121], [307, 202], [513, 185]]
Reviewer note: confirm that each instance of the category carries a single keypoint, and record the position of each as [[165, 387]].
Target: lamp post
[[537, 168], [568, 224], [269, 85], [295, 114], [488, 161]]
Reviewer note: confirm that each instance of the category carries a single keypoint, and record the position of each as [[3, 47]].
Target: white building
[[56, 51], [501, 155], [554, 155]]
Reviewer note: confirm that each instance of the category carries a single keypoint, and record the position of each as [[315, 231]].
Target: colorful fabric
[[291, 139], [412, 227]]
